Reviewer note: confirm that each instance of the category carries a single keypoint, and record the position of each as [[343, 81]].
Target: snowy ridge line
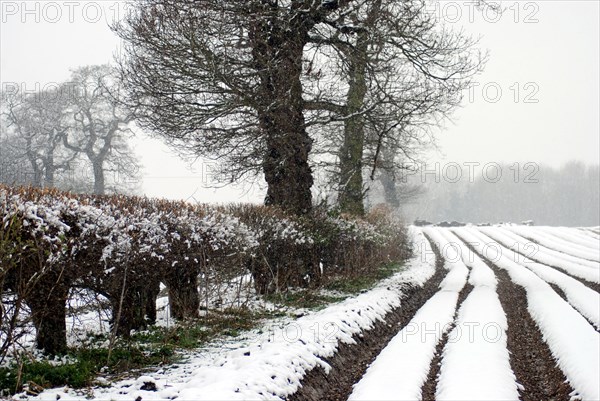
[[591, 232], [270, 366], [524, 249], [582, 298], [562, 294], [577, 349], [451, 255], [584, 254], [458, 272], [558, 243], [538, 376], [476, 361], [572, 235], [401, 369], [539, 247]]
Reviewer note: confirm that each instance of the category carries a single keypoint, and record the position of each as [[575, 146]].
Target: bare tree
[[396, 189], [402, 71], [56, 129], [224, 79], [14, 168], [100, 125], [39, 123]]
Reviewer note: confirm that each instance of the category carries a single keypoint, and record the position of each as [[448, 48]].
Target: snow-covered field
[[476, 359], [496, 279]]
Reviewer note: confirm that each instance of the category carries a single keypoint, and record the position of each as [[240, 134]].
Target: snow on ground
[[402, 367], [582, 298], [269, 364], [526, 249], [571, 339], [572, 235], [475, 362], [591, 232], [536, 248], [558, 244]]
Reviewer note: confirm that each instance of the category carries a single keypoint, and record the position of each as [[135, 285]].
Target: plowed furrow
[[351, 361], [429, 388], [530, 357]]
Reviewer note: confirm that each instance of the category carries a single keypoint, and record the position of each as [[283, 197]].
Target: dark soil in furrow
[[351, 361], [588, 284], [430, 386], [592, 230], [530, 358]]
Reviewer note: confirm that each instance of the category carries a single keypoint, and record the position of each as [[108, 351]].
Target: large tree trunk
[[37, 177], [49, 170], [388, 179], [99, 182], [49, 173], [182, 283], [132, 295], [351, 153], [131, 312], [278, 58], [286, 168], [390, 192], [47, 301]]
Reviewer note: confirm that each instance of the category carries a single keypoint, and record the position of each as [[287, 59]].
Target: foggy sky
[[537, 100]]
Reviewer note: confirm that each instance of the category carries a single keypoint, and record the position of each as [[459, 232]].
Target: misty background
[[533, 113]]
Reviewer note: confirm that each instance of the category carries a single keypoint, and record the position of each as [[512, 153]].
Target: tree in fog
[[253, 83], [14, 169], [567, 196], [100, 125], [402, 71], [38, 122], [54, 135]]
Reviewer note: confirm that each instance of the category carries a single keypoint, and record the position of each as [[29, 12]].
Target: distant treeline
[[566, 196]]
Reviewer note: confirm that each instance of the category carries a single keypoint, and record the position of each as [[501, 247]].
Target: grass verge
[[343, 286], [154, 347], [160, 345], [356, 284]]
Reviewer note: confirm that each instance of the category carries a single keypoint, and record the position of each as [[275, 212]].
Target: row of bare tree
[[71, 134]]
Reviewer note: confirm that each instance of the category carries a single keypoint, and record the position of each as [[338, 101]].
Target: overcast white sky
[[537, 101]]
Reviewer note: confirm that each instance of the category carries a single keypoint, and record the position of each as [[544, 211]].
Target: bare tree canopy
[[38, 122], [399, 71], [100, 125], [253, 83], [69, 136], [224, 80]]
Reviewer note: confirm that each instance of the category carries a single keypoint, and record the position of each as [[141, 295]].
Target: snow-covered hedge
[[123, 247], [351, 246]]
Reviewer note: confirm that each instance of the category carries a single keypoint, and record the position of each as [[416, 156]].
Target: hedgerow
[[124, 247]]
